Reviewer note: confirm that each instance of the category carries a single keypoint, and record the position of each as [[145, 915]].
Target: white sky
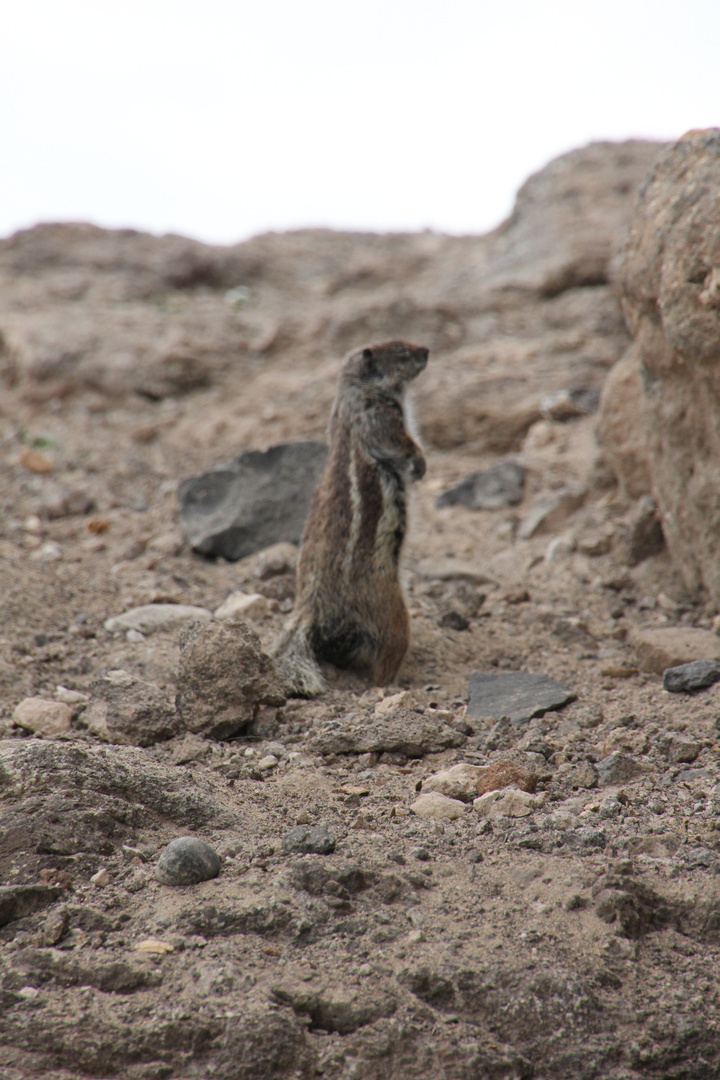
[[222, 119]]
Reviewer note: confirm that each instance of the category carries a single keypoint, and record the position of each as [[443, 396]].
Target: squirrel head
[[387, 366]]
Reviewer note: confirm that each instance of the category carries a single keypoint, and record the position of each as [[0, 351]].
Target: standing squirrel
[[350, 610]]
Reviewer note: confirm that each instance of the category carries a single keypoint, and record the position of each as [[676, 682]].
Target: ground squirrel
[[350, 610]]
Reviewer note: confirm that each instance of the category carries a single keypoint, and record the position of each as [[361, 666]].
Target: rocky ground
[[550, 910]]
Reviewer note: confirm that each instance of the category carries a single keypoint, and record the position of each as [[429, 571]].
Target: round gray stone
[[186, 861]]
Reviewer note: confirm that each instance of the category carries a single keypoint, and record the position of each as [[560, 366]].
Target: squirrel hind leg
[[395, 646], [297, 666], [345, 645], [301, 675]]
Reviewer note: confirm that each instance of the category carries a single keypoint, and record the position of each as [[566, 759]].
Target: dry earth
[[580, 939]]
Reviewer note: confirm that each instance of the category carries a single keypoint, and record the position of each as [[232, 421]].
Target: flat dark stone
[[488, 489], [517, 694], [257, 499], [687, 678], [303, 840], [186, 861]]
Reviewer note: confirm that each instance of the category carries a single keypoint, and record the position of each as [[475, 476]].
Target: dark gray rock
[[520, 695], [186, 861], [303, 840], [224, 678], [257, 499], [488, 489], [687, 678]]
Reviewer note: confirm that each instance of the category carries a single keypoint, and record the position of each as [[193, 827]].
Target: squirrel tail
[[296, 663]]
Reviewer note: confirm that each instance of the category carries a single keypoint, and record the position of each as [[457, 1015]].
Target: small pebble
[[304, 841], [101, 878], [391, 704], [437, 807], [49, 552], [70, 697], [43, 717], [153, 945], [186, 861], [240, 605], [35, 461], [268, 762]]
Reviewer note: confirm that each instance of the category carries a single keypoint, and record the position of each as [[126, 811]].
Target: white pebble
[[267, 762], [240, 605], [70, 697], [49, 552]]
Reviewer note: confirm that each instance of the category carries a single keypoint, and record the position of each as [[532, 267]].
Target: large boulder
[[670, 282]]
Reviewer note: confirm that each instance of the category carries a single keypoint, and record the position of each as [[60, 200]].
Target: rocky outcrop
[[509, 317], [568, 218], [670, 281]]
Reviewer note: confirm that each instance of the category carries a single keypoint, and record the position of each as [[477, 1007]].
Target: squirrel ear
[[369, 365]]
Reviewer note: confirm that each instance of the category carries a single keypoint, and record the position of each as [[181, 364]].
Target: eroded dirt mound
[[550, 908]]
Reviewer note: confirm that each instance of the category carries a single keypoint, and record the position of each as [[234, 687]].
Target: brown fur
[[350, 609]]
